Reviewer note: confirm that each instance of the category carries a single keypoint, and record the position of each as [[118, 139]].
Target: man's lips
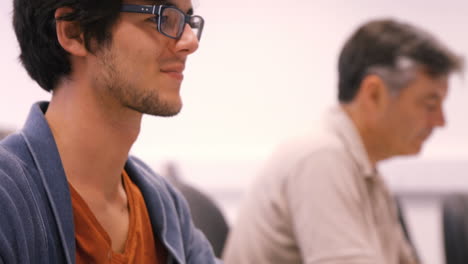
[[174, 71], [176, 75]]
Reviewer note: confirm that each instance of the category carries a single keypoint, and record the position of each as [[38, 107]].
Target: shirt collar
[[341, 124]]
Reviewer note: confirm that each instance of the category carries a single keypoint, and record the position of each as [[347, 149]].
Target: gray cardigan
[[36, 216]]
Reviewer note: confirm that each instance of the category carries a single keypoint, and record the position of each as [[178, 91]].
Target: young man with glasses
[[69, 193]]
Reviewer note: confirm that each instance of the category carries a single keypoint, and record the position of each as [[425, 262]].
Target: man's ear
[[373, 94], [69, 33]]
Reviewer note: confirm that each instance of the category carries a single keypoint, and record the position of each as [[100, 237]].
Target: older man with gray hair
[[321, 199]]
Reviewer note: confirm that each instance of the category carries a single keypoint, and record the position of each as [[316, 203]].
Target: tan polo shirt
[[319, 201]]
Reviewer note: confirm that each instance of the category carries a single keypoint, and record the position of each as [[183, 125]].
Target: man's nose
[[188, 42]]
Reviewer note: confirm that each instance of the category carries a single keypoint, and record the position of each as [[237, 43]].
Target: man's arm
[[326, 211], [22, 235], [13, 211]]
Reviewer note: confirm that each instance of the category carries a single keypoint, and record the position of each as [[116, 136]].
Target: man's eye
[[164, 19], [431, 107], [153, 19]]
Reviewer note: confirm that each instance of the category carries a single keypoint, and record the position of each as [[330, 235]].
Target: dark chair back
[[404, 226], [206, 214], [455, 226]]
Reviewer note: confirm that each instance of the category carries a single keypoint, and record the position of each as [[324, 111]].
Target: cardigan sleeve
[[15, 223]]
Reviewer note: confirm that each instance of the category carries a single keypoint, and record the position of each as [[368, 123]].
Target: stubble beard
[[116, 84]]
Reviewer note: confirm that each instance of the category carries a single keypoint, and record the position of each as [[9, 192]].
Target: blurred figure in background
[[321, 199], [69, 192]]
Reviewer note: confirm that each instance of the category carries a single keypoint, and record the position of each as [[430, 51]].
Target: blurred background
[[265, 71]]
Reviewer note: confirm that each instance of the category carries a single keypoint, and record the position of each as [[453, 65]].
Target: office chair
[[206, 215], [455, 226]]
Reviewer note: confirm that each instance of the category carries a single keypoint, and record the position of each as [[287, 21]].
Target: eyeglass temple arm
[[144, 9]]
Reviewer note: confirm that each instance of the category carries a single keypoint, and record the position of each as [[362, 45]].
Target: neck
[[372, 141], [93, 137]]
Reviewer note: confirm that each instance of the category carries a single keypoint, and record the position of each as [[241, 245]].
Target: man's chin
[[413, 150], [167, 114], [164, 109], [168, 110]]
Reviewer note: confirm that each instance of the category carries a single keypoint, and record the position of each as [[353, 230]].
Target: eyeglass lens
[[172, 23]]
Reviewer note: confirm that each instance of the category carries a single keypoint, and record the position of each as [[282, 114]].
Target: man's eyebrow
[[190, 11], [157, 2], [167, 3]]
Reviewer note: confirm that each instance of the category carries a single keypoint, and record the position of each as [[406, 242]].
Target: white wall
[[265, 69]]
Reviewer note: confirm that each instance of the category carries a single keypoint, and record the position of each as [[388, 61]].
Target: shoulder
[[308, 165], [12, 170], [18, 220], [14, 164], [316, 150], [15, 183], [13, 153]]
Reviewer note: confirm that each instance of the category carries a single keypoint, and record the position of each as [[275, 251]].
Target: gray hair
[[376, 48], [398, 76]]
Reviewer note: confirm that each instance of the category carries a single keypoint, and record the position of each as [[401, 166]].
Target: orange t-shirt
[[93, 244]]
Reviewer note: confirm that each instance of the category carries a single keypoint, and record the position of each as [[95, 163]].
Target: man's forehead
[[182, 4], [435, 88], [156, 2]]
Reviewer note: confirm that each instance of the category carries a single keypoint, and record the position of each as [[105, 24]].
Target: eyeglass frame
[[158, 10]]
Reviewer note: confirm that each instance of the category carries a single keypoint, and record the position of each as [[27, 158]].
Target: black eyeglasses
[[170, 20]]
